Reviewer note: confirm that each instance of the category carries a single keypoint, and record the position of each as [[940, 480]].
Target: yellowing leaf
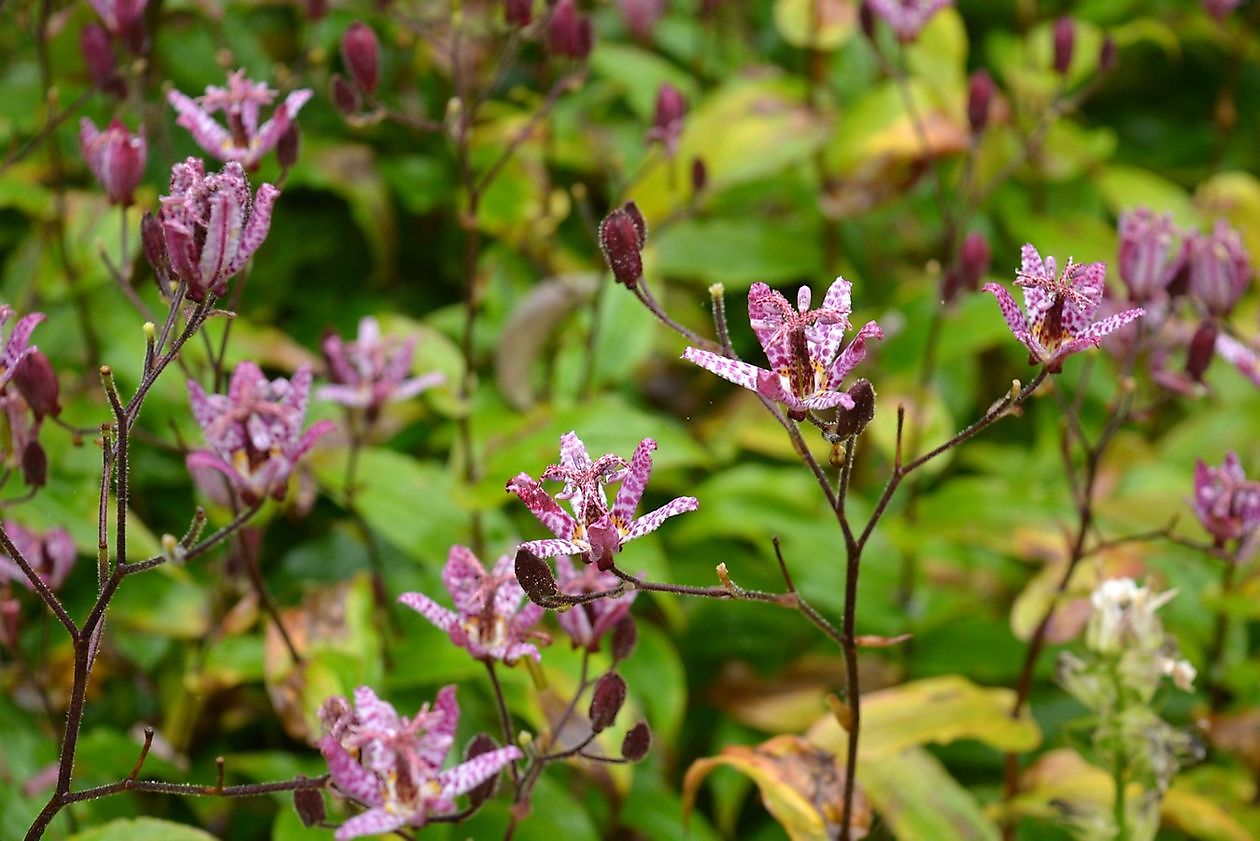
[[1199, 817], [920, 801], [1236, 197], [801, 785], [816, 24]]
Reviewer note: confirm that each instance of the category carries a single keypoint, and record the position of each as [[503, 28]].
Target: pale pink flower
[[907, 17], [243, 140], [115, 156], [587, 623], [372, 370], [51, 554]]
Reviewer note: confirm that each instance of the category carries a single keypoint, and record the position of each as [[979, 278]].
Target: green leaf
[[142, 829], [811, 24], [920, 801], [739, 251]]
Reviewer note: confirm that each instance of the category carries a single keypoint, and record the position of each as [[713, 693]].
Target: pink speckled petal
[[634, 482], [852, 355], [651, 522], [542, 506], [551, 548], [348, 774], [740, 373], [463, 576], [468, 775], [1011, 312], [441, 617], [207, 133], [376, 821]]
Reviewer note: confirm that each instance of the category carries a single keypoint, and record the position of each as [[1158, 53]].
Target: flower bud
[[309, 803], [637, 742], [34, 465], [1150, 254], [980, 90], [316, 10], [535, 578], [569, 33], [1064, 43], [115, 156], [345, 96], [621, 237], [1220, 268], [481, 743], [640, 16], [866, 18], [973, 260], [37, 382], [850, 422], [518, 12], [1202, 348], [289, 145], [153, 244], [1107, 55], [699, 176], [667, 122], [98, 57], [361, 52], [606, 700], [625, 636]]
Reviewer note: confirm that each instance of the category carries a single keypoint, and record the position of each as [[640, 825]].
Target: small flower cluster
[[51, 555], [242, 140], [29, 392], [393, 764], [1226, 503], [372, 370]]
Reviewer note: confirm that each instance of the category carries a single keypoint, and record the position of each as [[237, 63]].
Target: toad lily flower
[[372, 371], [594, 530], [210, 227], [1226, 503], [254, 432], [807, 365], [907, 17], [51, 555], [586, 624], [1061, 308], [393, 764], [243, 140], [18, 346], [489, 620]]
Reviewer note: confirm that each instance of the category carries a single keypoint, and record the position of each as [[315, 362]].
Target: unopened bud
[[150, 330], [980, 90], [37, 381], [34, 465], [481, 743], [866, 18], [606, 701], [1107, 55], [1202, 348], [699, 176], [1064, 43], [316, 10], [361, 52], [667, 120], [621, 238], [98, 57], [309, 803], [850, 422], [289, 145], [345, 96], [535, 578], [173, 551], [625, 635], [518, 12], [569, 33], [153, 244], [637, 742], [973, 260]]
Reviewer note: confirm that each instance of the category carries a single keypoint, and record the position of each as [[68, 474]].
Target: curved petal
[[349, 775], [207, 133], [256, 228], [542, 506], [440, 616], [372, 822], [733, 370], [768, 312], [1011, 312], [551, 548], [463, 576], [651, 522], [852, 355], [633, 483]]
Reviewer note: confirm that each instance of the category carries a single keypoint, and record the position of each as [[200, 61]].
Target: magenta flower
[[907, 17], [254, 433], [586, 624], [372, 371], [1061, 308], [1150, 254], [51, 555], [1226, 503], [807, 366], [594, 531], [211, 226], [393, 764], [489, 619], [115, 156], [1220, 268], [1242, 356], [18, 346], [121, 17], [667, 120], [243, 141]]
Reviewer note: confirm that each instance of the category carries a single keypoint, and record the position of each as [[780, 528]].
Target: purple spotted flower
[[1220, 268], [1150, 254], [18, 346], [115, 156], [372, 371], [253, 433], [1227, 504], [211, 226], [1242, 356], [243, 140], [393, 764], [807, 365], [123, 18], [586, 624], [51, 555], [907, 17], [489, 619], [1061, 308], [594, 531]]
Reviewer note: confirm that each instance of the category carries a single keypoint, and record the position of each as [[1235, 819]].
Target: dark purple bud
[[1064, 43], [1179, 286], [606, 701], [1107, 55], [980, 92], [640, 16], [361, 52], [316, 10], [625, 635], [518, 12], [481, 743], [973, 260], [10, 613], [1202, 348], [667, 122], [535, 578], [98, 56], [699, 175], [37, 381], [621, 238], [866, 18], [309, 803], [345, 96], [637, 742], [153, 244], [289, 145], [850, 422], [569, 33], [34, 465]]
